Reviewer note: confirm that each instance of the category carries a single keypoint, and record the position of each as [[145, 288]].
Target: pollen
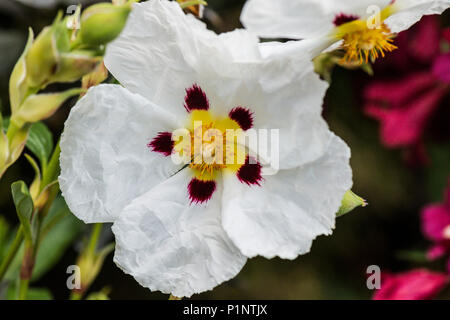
[[367, 44], [213, 145]]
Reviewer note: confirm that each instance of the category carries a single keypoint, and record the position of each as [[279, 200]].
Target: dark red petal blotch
[[250, 173], [342, 18], [243, 116], [162, 143], [201, 191], [195, 99]]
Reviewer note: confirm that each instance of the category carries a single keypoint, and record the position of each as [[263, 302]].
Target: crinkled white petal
[[408, 12], [169, 245], [309, 47], [162, 52], [290, 209], [286, 95], [105, 161], [300, 19]]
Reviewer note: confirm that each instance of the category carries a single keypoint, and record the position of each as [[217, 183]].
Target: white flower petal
[[167, 244], [286, 94], [162, 51], [309, 47], [105, 161], [411, 11], [284, 215], [300, 19]]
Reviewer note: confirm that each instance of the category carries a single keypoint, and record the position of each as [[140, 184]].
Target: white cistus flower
[[363, 28], [185, 228]]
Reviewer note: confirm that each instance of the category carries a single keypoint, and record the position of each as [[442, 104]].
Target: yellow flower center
[[214, 144], [366, 41]]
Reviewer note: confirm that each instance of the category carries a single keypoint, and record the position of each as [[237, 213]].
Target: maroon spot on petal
[[195, 99], [344, 18], [243, 116], [201, 191], [162, 143], [250, 173]]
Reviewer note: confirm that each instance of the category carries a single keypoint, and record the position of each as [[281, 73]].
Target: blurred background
[[398, 178]]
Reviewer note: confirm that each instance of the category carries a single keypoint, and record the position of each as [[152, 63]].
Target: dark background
[[386, 233]]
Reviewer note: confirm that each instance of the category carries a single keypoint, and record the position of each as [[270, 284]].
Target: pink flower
[[436, 228], [404, 104], [419, 284]]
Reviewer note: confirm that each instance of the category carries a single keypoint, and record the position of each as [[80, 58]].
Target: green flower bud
[[18, 86], [90, 264], [41, 106], [74, 65], [44, 55], [102, 23], [95, 77], [350, 202], [4, 150]]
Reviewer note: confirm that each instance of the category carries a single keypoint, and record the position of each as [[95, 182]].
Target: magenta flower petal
[[446, 34], [441, 68], [435, 219], [397, 93], [424, 46], [413, 285], [403, 119], [436, 252]]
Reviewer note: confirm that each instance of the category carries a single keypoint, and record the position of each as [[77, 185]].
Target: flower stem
[[23, 288], [96, 230], [13, 249]]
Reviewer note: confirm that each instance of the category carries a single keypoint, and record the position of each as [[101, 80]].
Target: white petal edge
[[170, 245], [105, 161], [289, 210], [299, 19], [408, 12], [161, 52]]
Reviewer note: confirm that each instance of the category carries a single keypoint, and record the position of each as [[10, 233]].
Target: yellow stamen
[[366, 39], [365, 43], [205, 129]]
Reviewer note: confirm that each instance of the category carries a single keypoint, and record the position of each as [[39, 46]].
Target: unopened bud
[[350, 202], [90, 264], [102, 23], [74, 65], [95, 77], [18, 84], [44, 55], [41, 106], [4, 149]]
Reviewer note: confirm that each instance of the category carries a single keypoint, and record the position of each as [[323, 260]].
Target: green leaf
[[350, 202], [35, 186], [40, 142], [24, 207], [4, 232], [60, 229], [412, 256]]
